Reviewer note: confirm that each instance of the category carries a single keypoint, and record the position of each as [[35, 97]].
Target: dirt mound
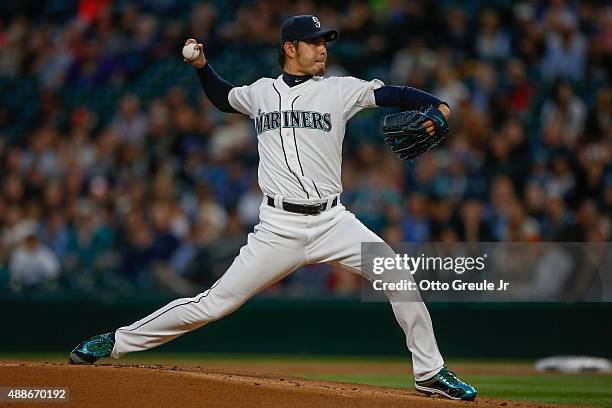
[[121, 385]]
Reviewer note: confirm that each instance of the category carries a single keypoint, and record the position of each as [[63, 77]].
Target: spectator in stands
[[413, 63], [416, 224], [32, 263], [492, 42], [130, 124], [568, 110], [473, 227], [565, 55]]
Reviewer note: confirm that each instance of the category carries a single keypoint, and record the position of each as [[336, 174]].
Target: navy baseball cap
[[305, 28]]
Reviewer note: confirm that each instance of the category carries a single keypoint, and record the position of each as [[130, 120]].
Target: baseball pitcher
[[300, 119]]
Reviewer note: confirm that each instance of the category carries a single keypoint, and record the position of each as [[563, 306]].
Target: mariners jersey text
[[266, 121]]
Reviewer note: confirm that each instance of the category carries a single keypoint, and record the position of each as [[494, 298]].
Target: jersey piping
[[280, 134]]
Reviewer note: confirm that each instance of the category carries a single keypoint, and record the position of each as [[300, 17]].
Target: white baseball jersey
[[300, 130]]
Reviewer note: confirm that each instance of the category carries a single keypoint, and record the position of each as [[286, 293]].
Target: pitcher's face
[[311, 57]]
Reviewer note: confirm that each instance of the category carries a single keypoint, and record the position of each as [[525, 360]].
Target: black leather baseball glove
[[405, 132]]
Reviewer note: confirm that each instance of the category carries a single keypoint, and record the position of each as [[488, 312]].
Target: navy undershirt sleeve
[[405, 97], [216, 88]]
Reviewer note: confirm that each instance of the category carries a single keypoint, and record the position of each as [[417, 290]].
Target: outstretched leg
[[256, 267]]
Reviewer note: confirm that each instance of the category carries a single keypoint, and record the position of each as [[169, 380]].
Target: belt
[[309, 209]]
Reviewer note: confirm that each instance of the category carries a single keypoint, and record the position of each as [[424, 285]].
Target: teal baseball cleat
[[90, 351], [447, 384]]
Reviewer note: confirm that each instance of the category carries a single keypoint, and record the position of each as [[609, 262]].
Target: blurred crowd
[[118, 174]]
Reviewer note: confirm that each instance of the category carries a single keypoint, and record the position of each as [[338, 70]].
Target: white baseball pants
[[281, 243]]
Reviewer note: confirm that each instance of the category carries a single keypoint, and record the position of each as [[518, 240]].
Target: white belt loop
[[278, 202], [330, 201]]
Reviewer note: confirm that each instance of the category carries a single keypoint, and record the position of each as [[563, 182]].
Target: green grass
[[582, 389]]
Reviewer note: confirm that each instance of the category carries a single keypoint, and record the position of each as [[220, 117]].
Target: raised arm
[[216, 88]]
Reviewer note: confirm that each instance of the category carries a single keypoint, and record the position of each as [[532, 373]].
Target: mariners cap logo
[[316, 21]]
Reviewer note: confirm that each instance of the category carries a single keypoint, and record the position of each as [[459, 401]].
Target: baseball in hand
[[190, 53]]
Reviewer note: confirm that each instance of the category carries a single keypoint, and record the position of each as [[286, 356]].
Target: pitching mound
[[130, 386]]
